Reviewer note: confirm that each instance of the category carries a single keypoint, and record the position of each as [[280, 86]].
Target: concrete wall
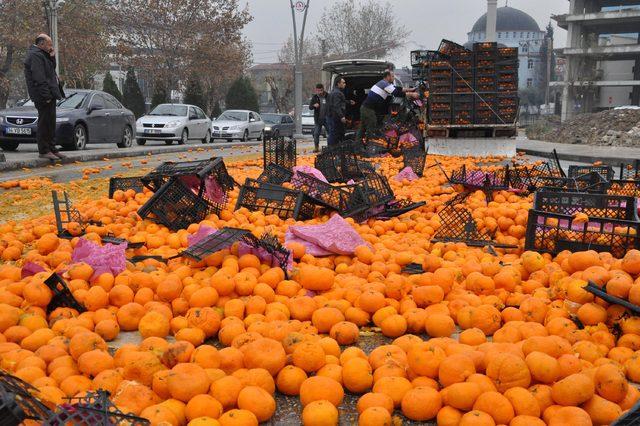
[[472, 147]]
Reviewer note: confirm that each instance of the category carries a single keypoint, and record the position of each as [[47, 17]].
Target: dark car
[[85, 116], [278, 125]]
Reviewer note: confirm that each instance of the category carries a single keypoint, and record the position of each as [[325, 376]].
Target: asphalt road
[[194, 151]]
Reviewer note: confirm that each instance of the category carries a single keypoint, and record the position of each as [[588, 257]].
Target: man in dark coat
[[318, 105], [337, 105], [44, 90]]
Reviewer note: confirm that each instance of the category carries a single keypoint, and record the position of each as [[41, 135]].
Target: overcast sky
[[429, 21]]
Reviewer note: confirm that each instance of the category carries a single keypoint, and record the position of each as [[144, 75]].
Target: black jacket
[[40, 74], [319, 113], [336, 104]]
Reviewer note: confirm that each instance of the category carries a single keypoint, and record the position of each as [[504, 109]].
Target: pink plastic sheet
[[310, 171], [203, 232], [109, 258], [212, 189], [29, 269], [335, 236], [311, 248], [406, 173]]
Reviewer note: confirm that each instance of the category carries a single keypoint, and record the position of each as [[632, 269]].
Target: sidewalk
[[612, 155]]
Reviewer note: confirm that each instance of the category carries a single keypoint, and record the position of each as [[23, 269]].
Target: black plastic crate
[[457, 224], [399, 207], [11, 413], [415, 158], [275, 174], [486, 46], [62, 296], [479, 179], [606, 171], [555, 232], [95, 408], [18, 403], [273, 199], [593, 205], [345, 199], [419, 73], [447, 47], [590, 182], [530, 177], [220, 240], [340, 164], [631, 417], [125, 183], [629, 188], [176, 206], [213, 167], [280, 151], [508, 52], [375, 189], [65, 213], [421, 57], [630, 171]]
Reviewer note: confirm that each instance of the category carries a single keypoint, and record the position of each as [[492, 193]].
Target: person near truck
[[376, 104], [45, 90], [318, 105], [336, 108]]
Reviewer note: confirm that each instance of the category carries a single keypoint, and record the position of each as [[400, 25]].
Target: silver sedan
[[174, 122]]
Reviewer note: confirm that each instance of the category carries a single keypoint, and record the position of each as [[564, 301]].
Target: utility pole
[[549, 58], [298, 43], [51, 8]]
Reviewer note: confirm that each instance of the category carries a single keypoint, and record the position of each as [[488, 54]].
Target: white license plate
[[18, 131], [151, 131]]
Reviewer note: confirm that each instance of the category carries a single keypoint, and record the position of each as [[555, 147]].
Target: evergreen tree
[[216, 111], [132, 96], [242, 95], [110, 87], [193, 95], [159, 95]]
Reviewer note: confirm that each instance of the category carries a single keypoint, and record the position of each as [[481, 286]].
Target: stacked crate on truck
[[469, 89]]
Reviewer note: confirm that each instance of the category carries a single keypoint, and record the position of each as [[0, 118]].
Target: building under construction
[[602, 55]]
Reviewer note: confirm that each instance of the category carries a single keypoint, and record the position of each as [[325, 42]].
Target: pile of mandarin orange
[[477, 339]]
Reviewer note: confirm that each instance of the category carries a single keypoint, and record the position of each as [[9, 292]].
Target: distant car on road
[[85, 116], [174, 122], [308, 123], [238, 124], [278, 125]]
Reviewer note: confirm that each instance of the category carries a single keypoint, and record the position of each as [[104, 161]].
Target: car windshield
[[234, 116], [29, 102], [172, 110], [72, 102], [306, 112], [271, 118]]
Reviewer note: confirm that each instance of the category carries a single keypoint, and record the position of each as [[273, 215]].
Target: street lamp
[[299, 6], [51, 7]]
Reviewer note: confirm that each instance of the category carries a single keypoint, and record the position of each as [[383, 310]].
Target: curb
[[578, 158], [86, 157]]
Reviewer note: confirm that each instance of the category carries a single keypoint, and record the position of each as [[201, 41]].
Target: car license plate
[[18, 131], [151, 131]]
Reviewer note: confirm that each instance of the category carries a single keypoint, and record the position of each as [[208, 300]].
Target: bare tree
[[18, 21], [171, 39], [311, 67], [367, 29], [281, 88], [83, 40]]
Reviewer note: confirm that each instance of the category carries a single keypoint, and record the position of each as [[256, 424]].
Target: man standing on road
[[337, 104], [318, 105], [375, 105], [44, 89]]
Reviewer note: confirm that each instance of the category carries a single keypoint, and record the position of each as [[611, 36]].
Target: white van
[[360, 75]]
